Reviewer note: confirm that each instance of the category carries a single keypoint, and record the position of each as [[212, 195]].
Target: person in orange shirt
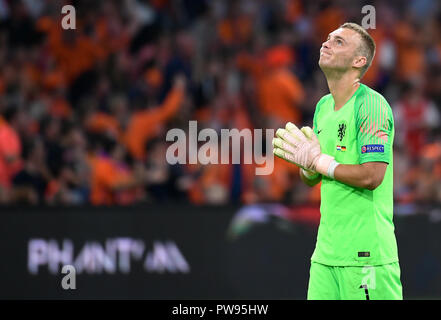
[[410, 51], [372, 75], [236, 28], [282, 89], [279, 92], [101, 122], [144, 125], [327, 18], [209, 183], [112, 181], [73, 51], [112, 123], [268, 188]]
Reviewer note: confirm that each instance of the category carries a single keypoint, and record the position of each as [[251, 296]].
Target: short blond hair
[[367, 47]]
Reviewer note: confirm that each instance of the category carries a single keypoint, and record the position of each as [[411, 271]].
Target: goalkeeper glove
[[307, 131], [292, 145]]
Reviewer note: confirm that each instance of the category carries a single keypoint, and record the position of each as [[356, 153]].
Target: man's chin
[[323, 65]]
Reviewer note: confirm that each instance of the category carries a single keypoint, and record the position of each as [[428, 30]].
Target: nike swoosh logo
[[318, 131]]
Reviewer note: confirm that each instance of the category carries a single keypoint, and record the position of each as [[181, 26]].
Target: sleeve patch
[[372, 148]]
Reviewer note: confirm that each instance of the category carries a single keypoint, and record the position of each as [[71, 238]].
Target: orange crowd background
[[85, 112]]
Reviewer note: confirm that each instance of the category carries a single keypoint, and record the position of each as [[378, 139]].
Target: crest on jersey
[[341, 131]]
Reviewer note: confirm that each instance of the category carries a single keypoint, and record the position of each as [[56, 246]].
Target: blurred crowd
[[85, 112]]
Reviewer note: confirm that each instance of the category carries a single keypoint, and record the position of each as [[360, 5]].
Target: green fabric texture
[[356, 225], [355, 283]]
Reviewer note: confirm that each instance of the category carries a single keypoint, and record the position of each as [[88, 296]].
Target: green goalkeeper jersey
[[356, 225]]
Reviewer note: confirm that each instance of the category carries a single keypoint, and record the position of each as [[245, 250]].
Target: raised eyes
[[337, 41]]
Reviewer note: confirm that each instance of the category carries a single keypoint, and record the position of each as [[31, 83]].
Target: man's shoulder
[[324, 99]]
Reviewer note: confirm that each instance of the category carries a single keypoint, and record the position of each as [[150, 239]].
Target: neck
[[342, 87]]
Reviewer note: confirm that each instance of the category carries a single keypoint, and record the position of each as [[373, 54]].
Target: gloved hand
[[294, 146]]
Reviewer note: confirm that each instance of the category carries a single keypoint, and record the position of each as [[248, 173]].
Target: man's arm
[[368, 175], [374, 121]]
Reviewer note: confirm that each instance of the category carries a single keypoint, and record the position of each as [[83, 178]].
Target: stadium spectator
[[414, 115]]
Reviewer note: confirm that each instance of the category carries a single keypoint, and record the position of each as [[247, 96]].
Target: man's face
[[339, 50]]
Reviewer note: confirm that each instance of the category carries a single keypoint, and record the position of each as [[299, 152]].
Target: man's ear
[[359, 62]]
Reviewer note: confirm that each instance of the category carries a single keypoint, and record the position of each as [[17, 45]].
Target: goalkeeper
[[349, 150]]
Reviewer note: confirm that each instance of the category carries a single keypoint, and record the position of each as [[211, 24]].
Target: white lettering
[[69, 20], [69, 280]]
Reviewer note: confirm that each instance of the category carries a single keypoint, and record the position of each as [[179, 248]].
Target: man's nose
[[325, 44]]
